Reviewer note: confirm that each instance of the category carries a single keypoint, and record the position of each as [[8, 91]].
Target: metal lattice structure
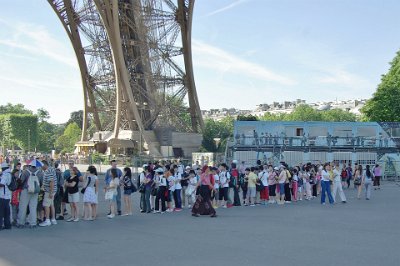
[[135, 62]]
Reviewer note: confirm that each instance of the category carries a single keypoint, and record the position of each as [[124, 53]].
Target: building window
[[299, 132]]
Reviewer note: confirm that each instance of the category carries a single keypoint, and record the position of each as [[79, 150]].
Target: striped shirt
[[49, 175]]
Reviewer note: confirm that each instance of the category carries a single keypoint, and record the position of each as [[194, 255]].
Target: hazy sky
[[245, 52]]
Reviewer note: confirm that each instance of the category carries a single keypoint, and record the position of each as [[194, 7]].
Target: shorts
[[272, 189], [47, 202], [73, 198], [223, 193], [251, 192], [127, 192], [282, 189]]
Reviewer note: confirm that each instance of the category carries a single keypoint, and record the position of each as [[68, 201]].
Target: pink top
[[205, 179], [377, 171]]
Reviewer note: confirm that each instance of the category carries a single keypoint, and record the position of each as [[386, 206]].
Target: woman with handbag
[[111, 192], [90, 193], [129, 188]]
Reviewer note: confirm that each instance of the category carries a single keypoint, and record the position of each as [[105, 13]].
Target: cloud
[[212, 57], [36, 41], [225, 8]]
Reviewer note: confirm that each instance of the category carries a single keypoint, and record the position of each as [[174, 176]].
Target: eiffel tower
[[135, 62]]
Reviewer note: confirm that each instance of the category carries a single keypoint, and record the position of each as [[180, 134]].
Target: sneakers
[[45, 223], [252, 205], [170, 210], [60, 218], [70, 219], [76, 220], [110, 216], [177, 209], [224, 206], [53, 221]]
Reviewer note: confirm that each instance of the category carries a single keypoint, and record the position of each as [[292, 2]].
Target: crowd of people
[[35, 193]]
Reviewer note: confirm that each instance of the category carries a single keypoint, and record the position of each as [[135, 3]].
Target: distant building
[[352, 106]]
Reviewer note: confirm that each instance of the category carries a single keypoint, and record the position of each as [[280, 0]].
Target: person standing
[[184, 184], [325, 184], [178, 188], [90, 194], [148, 187], [349, 175], [235, 184], [251, 186], [161, 183], [264, 193], [282, 180], [337, 183], [358, 177], [377, 176], [5, 197], [66, 176], [367, 181], [224, 178], [128, 190], [50, 188], [29, 176], [272, 184], [73, 194], [108, 180], [203, 204]]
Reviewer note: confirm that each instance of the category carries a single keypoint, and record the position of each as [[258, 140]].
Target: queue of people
[[32, 195]]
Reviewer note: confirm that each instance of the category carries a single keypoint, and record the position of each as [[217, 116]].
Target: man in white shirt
[[5, 197], [263, 176], [224, 178], [215, 195]]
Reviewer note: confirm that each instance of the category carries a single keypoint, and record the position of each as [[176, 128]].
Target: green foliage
[[217, 129], [307, 113], [14, 109], [48, 134], [76, 117], [71, 135], [20, 130], [42, 114], [246, 118], [384, 106]]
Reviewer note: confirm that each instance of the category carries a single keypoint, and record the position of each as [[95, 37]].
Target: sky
[[245, 52]]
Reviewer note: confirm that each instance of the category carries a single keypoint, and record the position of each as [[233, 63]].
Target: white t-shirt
[[295, 177], [325, 176], [263, 176], [336, 175], [5, 180], [177, 178], [171, 183], [224, 178], [216, 183]]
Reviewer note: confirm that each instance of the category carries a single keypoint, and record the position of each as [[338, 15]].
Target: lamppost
[[29, 140]]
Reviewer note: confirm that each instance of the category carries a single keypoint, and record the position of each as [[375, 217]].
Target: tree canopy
[[383, 105]]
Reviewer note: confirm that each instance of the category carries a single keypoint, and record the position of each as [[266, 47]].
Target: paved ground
[[358, 233]]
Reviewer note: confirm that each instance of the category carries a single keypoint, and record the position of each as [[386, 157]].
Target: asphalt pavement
[[360, 232]]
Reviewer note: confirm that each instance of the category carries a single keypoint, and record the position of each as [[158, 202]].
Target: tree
[[338, 115], [76, 117], [246, 118], [217, 129], [42, 114], [384, 106], [304, 112], [67, 140], [18, 129], [14, 109]]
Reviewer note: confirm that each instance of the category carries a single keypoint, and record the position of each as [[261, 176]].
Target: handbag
[[357, 181], [154, 191], [84, 189], [142, 188], [133, 188], [109, 195]]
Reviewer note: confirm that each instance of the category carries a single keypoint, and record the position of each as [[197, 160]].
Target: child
[[192, 188]]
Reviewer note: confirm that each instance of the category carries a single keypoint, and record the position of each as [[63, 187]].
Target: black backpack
[[13, 184]]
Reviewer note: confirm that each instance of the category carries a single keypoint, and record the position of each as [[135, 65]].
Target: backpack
[[33, 183], [343, 174], [234, 173], [13, 184]]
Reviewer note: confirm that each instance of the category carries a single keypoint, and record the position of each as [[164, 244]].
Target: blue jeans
[[146, 203], [326, 187], [178, 199]]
